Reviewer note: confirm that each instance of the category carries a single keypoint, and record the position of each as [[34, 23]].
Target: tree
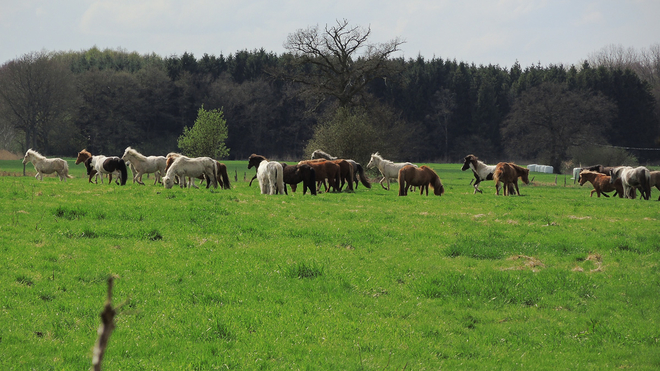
[[343, 135], [338, 62], [548, 120], [207, 136], [37, 93]]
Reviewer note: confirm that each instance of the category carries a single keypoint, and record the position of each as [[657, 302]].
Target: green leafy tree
[[207, 136]]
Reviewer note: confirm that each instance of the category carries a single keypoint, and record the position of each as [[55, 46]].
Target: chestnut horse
[[601, 183], [508, 173], [358, 170], [294, 174], [325, 170], [423, 176], [345, 171]]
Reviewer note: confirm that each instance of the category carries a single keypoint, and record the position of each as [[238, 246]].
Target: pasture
[[231, 279]]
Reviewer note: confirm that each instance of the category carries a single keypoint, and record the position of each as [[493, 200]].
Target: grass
[[216, 279]]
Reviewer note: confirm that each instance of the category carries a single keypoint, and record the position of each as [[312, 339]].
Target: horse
[[141, 164], [358, 171], [599, 169], [325, 170], [108, 165], [270, 174], [389, 169], [183, 167], [601, 183], [481, 171], [508, 173], [45, 165], [655, 180], [632, 178], [422, 177], [294, 174]]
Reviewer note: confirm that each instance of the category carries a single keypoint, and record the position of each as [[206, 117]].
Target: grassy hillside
[[231, 279]]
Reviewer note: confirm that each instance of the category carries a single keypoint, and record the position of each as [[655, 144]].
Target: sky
[[483, 32]]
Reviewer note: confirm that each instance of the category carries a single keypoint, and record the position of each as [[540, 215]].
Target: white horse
[[184, 167], [45, 165], [633, 178], [144, 165], [271, 177], [481, 171], [389, 169]]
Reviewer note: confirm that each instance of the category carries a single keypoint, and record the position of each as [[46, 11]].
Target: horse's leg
[[139, 178], [476, 187], [516, 185]]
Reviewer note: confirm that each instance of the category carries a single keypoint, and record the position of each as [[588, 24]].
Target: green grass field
[[231, 279]]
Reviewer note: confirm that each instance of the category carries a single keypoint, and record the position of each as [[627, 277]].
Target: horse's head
[[524, 174], [375, 159], [581, 178], [254, 160], [438, 188], [468, 160], [82, 156], [615, 173], [167, 182], [27, 157]]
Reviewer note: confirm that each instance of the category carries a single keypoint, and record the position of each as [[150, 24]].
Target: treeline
[[106, 100]]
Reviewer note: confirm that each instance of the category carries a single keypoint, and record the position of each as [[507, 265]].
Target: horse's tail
[[124, 172], [647, 183], [401, 181], [363, 178], [225, 177], [280, 179], [351, 178]]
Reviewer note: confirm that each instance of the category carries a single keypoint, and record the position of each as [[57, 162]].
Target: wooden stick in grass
[[105, 329]]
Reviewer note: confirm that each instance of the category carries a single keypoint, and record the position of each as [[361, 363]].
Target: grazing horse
[[45, 165], [601, 183], [270, 174], [183, 167], [358, 171], [294, 174], [481, 171], [632, 178], [655, 180], [508, 173], [141, 164], [389, 169], [108, 165], [325, 170], [422, 177]]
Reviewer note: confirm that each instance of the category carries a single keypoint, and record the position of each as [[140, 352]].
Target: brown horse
[[422, 177], [508, 173], [294, 174], [325, 170], [655, 180], [601, 183]]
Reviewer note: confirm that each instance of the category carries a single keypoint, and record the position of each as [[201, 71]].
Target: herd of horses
[[330, 173]]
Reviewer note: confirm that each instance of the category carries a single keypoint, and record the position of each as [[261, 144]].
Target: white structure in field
[[541, 168]]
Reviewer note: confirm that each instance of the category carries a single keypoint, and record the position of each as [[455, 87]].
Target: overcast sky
[[475, 31]]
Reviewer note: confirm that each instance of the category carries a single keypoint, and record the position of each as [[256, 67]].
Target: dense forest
[[415, 109]]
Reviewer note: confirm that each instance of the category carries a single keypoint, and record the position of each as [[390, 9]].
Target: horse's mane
[[173, 154], [381, 159], [134, 153], [34, 153], [590, 172], [86, 152]]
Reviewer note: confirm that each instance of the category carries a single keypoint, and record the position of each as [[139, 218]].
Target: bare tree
[[548, 120], [338, 61], [37, 93]]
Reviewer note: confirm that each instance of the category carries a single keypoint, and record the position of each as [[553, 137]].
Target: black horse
[[294, 174]]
